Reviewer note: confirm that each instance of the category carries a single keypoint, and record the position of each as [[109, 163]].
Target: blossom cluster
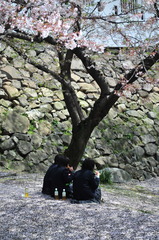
[[45, 18], [60, 19]]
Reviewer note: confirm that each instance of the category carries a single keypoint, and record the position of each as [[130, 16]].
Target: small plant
[[55, 122], [32, 127], [105, 177], [67, 132]]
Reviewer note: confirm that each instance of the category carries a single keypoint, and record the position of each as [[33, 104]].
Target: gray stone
[[148, 121], [38, 78], [152, 161], [122, 107], [12, 72], [112, 161], [148, 138], [87, 88], [2, 46], [23, 100], [19, 165], [15, 122], [66, 138], [118, 175], [22, 136], [152, 115], [16, 84], [7, 144], [156, 170], [139, 152], [62, 115], [148, 87], [76, 63], [35, 114], [112, 113], [101, 162], [147, 175], [9, 52], [29, 67], [134, 173], [5, 103], [151, 149], [11, 91], [143, 94], [36, 157], [75, 77], [24, 73], [58, 106], [24, 147], [84, 104], [1, 82], [31, 93], [45, 99], [18, 62], [111, 81], [48, 148], [10, 155], [45, 108], [31, 53], [29, 84], [154, 97], [46, 92], [36, 140], [2, 94], [44, 128], [45, 58], [133, 113], [128, 64]]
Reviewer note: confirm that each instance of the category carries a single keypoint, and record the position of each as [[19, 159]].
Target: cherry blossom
[[73, 24]]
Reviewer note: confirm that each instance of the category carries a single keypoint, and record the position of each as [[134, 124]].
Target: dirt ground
[[130, 211]]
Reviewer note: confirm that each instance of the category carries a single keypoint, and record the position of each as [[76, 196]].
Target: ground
[[129, 211]]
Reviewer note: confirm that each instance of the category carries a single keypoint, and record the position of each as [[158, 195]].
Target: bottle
[[56, 194], [64, 194], [26, 194]]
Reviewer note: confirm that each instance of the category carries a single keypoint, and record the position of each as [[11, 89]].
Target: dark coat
[[85, 184], [56, 177]]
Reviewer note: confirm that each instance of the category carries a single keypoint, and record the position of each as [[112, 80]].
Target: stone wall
[[35, 124]]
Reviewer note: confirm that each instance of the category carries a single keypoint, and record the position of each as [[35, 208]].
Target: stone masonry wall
[[35, 124]]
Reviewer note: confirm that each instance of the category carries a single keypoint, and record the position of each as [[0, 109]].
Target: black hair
[[61, 160], [88, 164]]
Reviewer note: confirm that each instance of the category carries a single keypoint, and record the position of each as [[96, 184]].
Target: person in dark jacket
[[59, 175], [86, 183]]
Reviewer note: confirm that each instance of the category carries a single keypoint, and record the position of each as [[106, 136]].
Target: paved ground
[[130, 212]]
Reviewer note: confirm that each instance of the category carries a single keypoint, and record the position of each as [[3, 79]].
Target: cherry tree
[[79, 28]]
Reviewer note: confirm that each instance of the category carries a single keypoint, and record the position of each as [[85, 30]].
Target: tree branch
[[156, 9], [27, 37], [140, 69], [104, 104], [71, 99], [91, 69], [64, 78]]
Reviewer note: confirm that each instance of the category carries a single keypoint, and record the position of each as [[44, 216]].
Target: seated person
[[59, 175], [86, 182]]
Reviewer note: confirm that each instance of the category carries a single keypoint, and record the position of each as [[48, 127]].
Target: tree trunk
[[80, 137], [82, 132]]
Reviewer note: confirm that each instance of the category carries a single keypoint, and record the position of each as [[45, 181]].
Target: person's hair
[[88, 164], [61, 160]]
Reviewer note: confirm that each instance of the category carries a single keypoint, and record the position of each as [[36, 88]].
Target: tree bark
[[80, 137]]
